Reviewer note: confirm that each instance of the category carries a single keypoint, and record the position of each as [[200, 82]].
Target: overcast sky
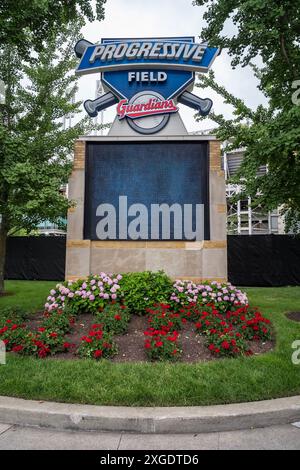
[[150, 18]]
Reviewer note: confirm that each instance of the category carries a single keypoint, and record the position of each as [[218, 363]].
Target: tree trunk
[[3, 238]]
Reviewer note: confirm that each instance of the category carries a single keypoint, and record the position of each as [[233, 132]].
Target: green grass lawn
[[145, 384], [30, 295]]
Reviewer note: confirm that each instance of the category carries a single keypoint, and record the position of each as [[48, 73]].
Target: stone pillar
[[215, 250], [78, 249]]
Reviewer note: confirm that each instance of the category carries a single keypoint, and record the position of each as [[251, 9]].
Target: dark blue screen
[[147, 173]]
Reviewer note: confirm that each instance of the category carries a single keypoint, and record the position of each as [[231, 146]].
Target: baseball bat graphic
[[203, 106], [93, 107], [81, 46]]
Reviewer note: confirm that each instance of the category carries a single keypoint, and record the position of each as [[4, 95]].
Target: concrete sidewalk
[[286, 437]]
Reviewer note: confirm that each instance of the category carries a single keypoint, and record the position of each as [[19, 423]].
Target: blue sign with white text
[[145, 76]]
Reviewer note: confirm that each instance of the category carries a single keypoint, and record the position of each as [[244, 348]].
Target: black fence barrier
[[264, 260], [253, 260], [36, 258]]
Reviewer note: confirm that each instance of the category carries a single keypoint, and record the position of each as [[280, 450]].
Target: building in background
[[243, 217]]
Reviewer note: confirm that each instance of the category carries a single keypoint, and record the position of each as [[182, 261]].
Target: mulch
[[131, 344], [295, 316]]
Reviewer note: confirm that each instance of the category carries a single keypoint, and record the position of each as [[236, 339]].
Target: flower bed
[[215, 315]]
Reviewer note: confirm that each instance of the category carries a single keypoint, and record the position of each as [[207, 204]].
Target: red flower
[[211, 347], [14, 327], [117, 317], [41, 329], [53, 335], [198, 325], [43, 352], [147, 345], [98, 353], [17, 348], [86, 339], [66, 345], [158, 344], [217, 350], [225, 345]]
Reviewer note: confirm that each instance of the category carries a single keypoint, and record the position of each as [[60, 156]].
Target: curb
[[172, 420]]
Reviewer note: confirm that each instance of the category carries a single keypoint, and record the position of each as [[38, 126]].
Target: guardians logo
[[151, 107]]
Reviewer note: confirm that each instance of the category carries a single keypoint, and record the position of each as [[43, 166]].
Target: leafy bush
[[227, 344], [16, 314], [97, 344], [44, 342], [162, 345], [85, 295], [223, 295], [13, 335], [143, 290], [228, 333], [58, 321], [251, 323], [160, 317], [114, 318]]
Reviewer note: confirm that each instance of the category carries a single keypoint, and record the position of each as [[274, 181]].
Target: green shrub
[[114, 318], [162, 345], [161, 317], [97, 344], [142, 290], [16, 314], [58, 321]]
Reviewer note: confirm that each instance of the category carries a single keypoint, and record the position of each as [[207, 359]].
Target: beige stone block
[[175, 262], [77, 262], [217, 225], [76, 214], [217, 190], [214, 263], [117, 260]]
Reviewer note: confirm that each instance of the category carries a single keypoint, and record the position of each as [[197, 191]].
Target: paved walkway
[[273, 437]]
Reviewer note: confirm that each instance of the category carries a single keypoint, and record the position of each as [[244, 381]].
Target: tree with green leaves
[[268, 30], [35, 147], [27, 24]]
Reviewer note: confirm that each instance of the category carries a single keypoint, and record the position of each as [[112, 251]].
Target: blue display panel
[[146, 173]]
